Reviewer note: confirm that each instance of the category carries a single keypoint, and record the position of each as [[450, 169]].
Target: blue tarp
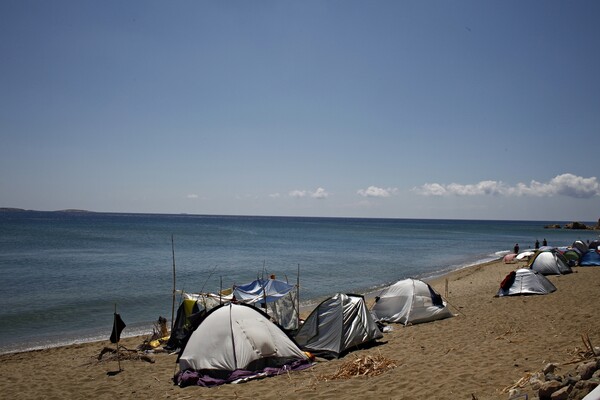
[[258, 290], [590, 259]]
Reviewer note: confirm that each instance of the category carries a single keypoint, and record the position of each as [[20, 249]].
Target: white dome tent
[[410, 301], [236, 341]]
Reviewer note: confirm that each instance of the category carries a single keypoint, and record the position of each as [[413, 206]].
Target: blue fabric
[[257, 290], [590, 259]]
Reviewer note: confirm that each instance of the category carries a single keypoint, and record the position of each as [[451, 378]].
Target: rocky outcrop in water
[[575, 225]]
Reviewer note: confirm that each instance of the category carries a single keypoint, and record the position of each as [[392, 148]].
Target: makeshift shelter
[[549, 262], [337, 325], [524, 281], [410, 301], [236, 341], [590, 259], [192, 308], [278, 298]]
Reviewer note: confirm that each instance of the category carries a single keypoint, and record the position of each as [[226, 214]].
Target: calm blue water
[[63, 273]]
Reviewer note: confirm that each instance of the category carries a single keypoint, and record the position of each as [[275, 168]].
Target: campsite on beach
[[493, 340]]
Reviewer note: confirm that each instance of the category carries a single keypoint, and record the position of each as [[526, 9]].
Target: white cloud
[[274, 195], [320, 193], [192, 196], [298, 193], [374, 191], [562, 185]]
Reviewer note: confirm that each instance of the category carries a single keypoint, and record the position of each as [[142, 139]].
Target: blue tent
[[590, 259]]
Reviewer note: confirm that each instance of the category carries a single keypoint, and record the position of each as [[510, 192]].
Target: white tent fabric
[[525, 254], [550, 262], [235, 336], [410, 301], [524, 282], [336, 325]]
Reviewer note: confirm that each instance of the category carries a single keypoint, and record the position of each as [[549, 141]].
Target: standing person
[[544, 243], [516, 248], [537, 244]]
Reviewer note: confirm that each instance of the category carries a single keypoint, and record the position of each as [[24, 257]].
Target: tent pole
[[174, 283], [298, 294], [117, 337]]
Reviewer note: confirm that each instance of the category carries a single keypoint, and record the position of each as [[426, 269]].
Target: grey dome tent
[[410, 301], [524, 281], [236, 341], [582, 247], [337, 325], [550, 262]]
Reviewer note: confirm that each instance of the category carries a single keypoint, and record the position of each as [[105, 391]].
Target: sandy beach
[[487, 347]]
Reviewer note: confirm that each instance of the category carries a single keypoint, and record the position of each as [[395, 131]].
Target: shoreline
[[488, 346], [145, 329]]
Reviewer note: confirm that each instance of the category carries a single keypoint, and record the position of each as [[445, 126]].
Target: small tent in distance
[[550, 262], [525, 281], [590, 259], [337, 325], [236, 341], [410, 301]]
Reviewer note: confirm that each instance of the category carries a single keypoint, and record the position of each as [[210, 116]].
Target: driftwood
[[367, 365], [125, 354], [584, 354], [580, 356]]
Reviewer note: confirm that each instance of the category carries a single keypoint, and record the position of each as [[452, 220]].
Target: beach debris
[[510, 331], [367, 365], [124, 354], [160, 335], [575, 384]]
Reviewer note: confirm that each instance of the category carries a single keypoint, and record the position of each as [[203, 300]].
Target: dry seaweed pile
[[368, 365]]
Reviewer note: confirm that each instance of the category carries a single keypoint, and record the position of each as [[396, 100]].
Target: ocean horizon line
[[185, 214]]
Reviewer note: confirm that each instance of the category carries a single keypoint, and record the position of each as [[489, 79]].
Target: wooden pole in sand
[[298, 294], [174, 283], [117, 337]]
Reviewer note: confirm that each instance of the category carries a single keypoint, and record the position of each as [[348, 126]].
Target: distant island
[[70, 210], [575, 225]]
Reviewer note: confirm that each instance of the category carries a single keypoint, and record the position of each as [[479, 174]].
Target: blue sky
[[399, 109]]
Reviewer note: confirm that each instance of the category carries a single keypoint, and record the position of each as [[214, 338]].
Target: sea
[[65, 273]]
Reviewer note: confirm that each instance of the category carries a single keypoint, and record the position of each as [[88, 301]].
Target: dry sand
[[488, 346]]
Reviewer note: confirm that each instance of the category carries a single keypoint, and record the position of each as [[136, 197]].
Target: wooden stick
[[174, 284], [298, 294], [117, 337]]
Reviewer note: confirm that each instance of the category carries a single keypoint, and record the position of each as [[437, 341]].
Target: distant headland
[[70, 210], [575, 225]]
